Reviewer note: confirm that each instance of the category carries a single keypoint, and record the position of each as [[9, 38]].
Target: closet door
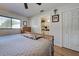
[[74, 33], [66, 28], [71, 29]]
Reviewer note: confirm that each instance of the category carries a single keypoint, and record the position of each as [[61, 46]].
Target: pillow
[[38, 36], [28, 36], [33, 36]]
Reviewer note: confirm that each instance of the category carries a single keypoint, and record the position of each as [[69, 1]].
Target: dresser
[[26, 29]]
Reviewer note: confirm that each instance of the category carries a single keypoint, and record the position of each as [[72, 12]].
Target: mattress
[[18, 45]]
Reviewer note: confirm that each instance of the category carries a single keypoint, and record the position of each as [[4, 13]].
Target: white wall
[[36, 22], [8, 31], [55, 28]]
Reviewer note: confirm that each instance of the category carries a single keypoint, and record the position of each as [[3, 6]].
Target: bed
[[18, 45]]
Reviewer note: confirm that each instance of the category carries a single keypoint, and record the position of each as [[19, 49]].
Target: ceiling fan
[[26, 5]]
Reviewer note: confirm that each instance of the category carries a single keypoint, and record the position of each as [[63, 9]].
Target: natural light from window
[[15, 23], [7, 22]]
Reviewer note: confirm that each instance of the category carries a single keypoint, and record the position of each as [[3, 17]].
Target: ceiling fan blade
[[26, 6], [38, 3]]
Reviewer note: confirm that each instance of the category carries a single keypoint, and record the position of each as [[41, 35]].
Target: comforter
[[18, 45]]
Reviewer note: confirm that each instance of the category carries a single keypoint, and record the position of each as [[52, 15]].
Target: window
[[8, 22], [15, 23], [5, 22]]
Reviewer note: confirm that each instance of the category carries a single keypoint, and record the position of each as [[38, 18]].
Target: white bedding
[[18, 45]]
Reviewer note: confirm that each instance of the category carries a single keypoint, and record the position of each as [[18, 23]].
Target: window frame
[[11, 22]]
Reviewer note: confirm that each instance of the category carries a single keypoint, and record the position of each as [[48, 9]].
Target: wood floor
[[59, 51]]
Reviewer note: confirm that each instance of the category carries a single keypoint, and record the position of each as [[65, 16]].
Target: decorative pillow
[[33, 36], [28, 36], [38, 36]]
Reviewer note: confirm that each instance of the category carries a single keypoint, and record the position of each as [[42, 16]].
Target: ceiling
[[33, 9]]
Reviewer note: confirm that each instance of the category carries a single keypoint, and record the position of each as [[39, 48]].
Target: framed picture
[[24, 23], [55, 18]]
